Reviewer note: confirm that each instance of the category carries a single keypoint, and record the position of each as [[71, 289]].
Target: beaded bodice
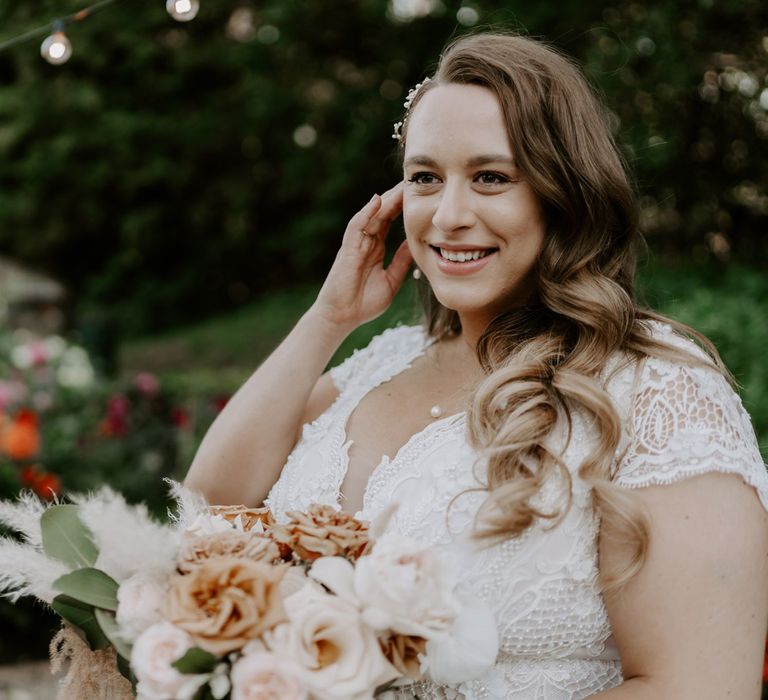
[[554, 632]]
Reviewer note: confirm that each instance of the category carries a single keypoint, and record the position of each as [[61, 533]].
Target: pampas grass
[[26, 571], [24, 517], [128, 539]]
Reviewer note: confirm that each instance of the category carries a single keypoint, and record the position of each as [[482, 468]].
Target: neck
[[472, 328]]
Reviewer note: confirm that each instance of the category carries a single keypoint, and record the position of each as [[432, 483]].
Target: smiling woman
[[581, 461]]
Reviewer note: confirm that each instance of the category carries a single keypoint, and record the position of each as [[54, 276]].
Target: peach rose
[[232, 543], [326, 636], [261, 675], [322, 531], [244, 518], [225, 602]]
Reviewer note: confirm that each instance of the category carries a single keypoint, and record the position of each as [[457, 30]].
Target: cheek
[[417, 215]]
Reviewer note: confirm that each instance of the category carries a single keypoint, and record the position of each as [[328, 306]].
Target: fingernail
[[373, 198]]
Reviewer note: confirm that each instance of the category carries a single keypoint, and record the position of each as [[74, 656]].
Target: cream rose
[[403, 586], [139, 599], [327, 637], [468, 650], [151, 658], [225, 602], [261, 675]]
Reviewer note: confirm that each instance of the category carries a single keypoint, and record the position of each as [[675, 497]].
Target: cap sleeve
[[685, 421], [391, 347]]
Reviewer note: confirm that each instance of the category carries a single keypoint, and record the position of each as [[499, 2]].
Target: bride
[[586, 464]]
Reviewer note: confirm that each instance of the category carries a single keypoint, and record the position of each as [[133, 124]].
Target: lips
[[463, 262]]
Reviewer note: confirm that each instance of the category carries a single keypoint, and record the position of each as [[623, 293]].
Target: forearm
[[242, 453], [632, 689]]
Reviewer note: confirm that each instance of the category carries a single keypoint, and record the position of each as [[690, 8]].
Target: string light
[[183, 10], [56, 49]]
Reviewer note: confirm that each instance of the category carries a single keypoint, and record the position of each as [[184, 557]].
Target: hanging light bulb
[[56, 49], [183, 10]]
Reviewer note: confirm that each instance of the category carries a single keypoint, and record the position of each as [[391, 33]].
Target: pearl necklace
[[435, 411]]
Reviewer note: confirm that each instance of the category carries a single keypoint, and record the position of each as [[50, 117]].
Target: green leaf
[[66, 538], [111, 631], [82, 616], [196, 660], [90, 586], [124, 666]]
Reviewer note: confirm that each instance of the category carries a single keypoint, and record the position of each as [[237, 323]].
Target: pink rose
[[261, 675]]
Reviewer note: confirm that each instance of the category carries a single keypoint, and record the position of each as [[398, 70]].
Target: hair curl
[[544, 360]]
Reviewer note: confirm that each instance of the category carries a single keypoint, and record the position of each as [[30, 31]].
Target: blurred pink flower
[[11, 392], [146, 383]]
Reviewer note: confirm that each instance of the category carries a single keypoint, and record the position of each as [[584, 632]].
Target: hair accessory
[[397, 132]]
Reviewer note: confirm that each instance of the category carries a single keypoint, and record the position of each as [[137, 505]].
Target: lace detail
[[687, 421], [554, 632]]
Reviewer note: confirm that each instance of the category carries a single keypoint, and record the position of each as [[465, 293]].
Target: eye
[[423, 178], [488, 177]]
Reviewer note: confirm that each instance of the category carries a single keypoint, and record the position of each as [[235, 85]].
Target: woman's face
[[473, 225]]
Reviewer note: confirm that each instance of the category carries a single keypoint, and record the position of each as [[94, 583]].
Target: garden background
[[188, 184]]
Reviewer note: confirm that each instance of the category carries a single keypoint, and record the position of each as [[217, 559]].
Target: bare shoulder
[[693, 620]]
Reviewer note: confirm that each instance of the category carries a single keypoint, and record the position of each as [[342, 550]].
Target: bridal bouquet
[[224, 602]]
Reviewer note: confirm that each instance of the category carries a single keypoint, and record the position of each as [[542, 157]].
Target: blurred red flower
[[20, 439], [219, 402], [180, 417], [48, 486]]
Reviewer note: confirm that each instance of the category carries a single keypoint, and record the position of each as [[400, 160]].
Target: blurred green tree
[[171, 170]]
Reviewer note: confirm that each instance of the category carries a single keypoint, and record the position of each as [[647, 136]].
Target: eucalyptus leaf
[[196, 660], [111, 631], [124, 666], [90, 586], [83, 617], [66, 538]]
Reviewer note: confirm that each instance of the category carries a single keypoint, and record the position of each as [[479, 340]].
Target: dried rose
[[322, 531], [402, 651], [248, 516], [225, 602], [232, 543]]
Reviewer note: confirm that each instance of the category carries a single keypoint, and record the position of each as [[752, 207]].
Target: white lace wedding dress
[[555, 637]]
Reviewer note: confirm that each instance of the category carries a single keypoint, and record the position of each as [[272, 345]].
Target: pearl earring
[[416, 273]]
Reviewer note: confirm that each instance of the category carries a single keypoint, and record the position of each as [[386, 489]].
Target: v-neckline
[[385, 460]]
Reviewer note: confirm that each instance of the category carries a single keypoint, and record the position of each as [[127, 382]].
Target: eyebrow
[[471, 162]]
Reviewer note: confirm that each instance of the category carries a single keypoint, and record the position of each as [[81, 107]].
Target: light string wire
[[78, 16]]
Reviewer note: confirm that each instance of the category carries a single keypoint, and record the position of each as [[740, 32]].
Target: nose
[[454, 210]]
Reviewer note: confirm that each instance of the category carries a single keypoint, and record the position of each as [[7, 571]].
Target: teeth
[[464, 255]]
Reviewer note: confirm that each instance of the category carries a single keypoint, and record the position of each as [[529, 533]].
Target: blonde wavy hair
[[545, 360]]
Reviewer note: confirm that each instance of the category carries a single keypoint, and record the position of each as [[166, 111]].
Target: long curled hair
[[543, 361]]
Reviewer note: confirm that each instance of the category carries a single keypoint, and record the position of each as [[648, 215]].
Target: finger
[[357, 224], [391, 207], [398, 268]]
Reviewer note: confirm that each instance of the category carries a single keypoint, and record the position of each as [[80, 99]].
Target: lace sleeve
[[383, 348], [687, 421]]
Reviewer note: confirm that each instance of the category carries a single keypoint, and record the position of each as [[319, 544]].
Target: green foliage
[[83, 617], [90, 586], [157, 172], [196, 660], [66, 538]]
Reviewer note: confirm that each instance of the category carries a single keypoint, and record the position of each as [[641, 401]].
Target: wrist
[[327, 330]]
